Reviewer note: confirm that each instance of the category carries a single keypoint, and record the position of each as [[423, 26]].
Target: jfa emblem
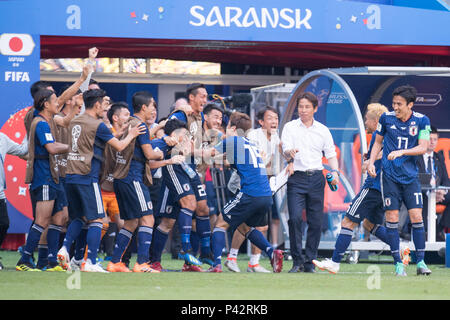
[[387, 202], [413, 130]]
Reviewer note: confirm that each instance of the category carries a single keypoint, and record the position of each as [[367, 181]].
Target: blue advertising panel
[[319, 21], [19, 68]]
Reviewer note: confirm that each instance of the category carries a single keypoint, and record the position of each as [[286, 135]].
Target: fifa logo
[[76, 131]]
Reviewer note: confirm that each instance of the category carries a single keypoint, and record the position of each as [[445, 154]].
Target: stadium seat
[[444, 145]]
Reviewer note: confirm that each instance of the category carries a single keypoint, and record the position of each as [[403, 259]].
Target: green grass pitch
[[365, 280]]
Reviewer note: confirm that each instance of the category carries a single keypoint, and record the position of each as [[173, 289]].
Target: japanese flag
[[16, 44]]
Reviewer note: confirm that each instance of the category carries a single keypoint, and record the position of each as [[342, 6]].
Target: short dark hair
[[139, 99], [92, 81], [38, 85], [193, 88], [91, 97], [311, 97], [434, 130], [409, 93], [210, 107], [40, 97], [240, 121], [115, 108], [174, 124], [262, 112]]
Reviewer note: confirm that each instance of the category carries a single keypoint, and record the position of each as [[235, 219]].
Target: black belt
[[308, 172]]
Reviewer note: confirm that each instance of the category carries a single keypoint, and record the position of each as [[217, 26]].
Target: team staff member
[[42, 173], [88, 137], [305, 140]]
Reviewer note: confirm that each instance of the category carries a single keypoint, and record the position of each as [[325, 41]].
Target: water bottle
[[330, 178], [190, 172]]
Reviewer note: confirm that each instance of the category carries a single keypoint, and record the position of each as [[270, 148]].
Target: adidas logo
[[393, 126]]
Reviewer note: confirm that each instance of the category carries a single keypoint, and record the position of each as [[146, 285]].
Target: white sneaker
[[75, 264], [257, 268], [88, 266], [232, 265], [327, 264], [64, 258]]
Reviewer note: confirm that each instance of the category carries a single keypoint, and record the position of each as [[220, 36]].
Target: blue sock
[[144, 241], [342, 242], [72, 233], [42, 256], [185, 225], [418, 235], [218, 243], [158, 243], [258, 239], [53, 242], [195, 242], [123, 239], [380, 232], [80, 243], [93, 239], [394, 240], [33, 238], [204, 232]]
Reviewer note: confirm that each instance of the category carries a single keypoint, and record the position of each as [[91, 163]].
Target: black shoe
[[296, 269], [309, 270]]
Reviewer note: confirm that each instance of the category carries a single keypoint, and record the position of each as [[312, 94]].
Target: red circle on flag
[[16, 44]]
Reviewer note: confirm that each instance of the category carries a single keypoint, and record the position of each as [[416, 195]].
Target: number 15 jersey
[[402, 135]]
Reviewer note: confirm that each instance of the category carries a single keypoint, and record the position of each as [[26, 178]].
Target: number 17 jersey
[[402, 135]]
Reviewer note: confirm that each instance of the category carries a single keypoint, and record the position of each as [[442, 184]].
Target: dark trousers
[[4, 220], [305, 191]]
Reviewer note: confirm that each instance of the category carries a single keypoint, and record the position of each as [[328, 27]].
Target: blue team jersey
[[102, 136], [160, 144], [244, 157], [41, 169], [373, 183], [137, 167], [401, 135]]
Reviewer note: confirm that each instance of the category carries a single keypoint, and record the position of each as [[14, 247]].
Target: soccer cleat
[[191, 268], [75, 264], [144, 267], [117, 267], [55, 268], [277, 261], [404, 254], [257, 268], [26, 266], [208, 259], [88, 266], [232, 265], [328, 265], [63, 258], [189, 259], [31, 262], [156, 266], [422, 269], [400, 270], [216, 269]]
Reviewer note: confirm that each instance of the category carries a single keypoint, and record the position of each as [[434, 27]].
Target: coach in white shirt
[[304, 142]]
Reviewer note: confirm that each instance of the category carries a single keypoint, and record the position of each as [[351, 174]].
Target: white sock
[[233, 253], [254, 259]]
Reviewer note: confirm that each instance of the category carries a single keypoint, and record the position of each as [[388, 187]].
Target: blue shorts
[[367, 204], [133, 199], [246, 209], [395, 193], [85, 200], [179, 183], [48, 193]]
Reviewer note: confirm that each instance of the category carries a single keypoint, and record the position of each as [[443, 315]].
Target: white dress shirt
[[425, 160], [272, 159], [312, 143]]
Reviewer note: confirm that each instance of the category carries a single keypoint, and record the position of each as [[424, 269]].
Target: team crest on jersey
[[387, 202], [193, 128], [169, 209], [186, 187], [413, 130]]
